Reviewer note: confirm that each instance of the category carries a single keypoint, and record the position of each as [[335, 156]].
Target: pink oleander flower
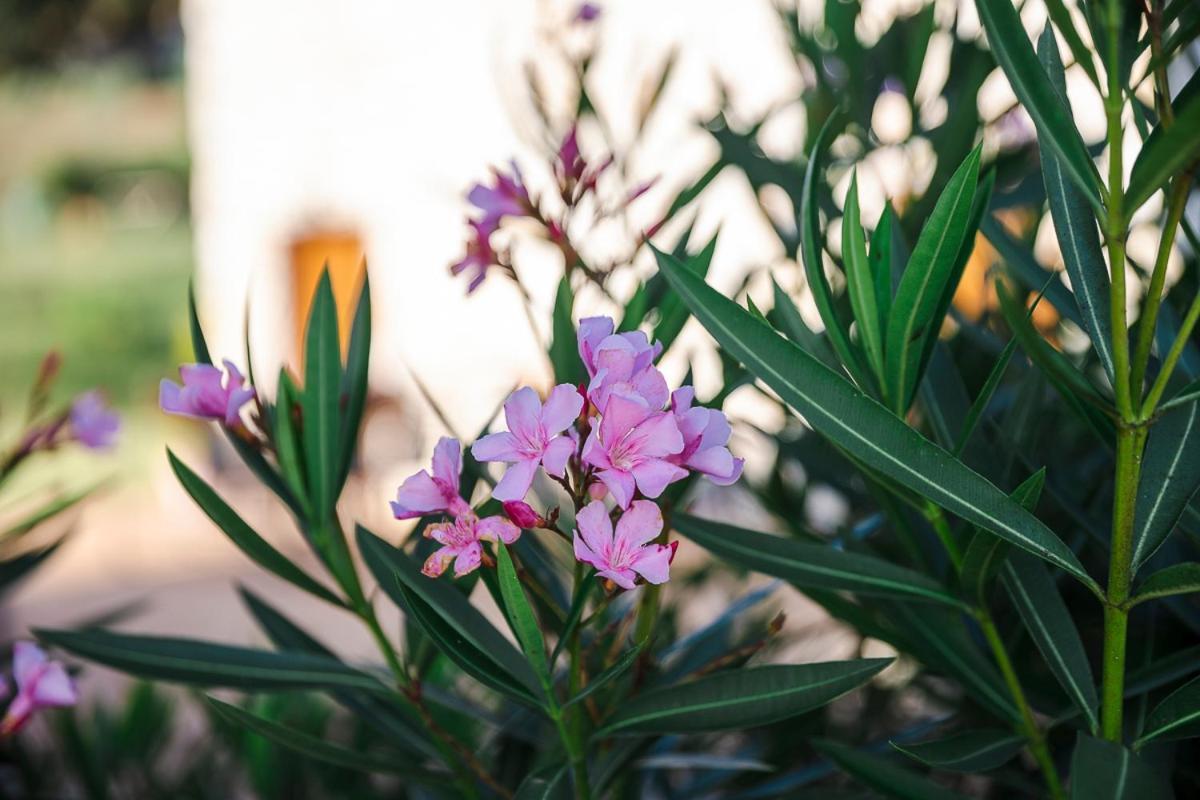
[[508, 198], [620, 363], [423, 494], [631, 447], [93, 423], [522, 515], [460, 542], [203, 395], [571, 165], [588, 12], [534, 438], [480, 257], [41, 683], [705, 434], [622, 556]]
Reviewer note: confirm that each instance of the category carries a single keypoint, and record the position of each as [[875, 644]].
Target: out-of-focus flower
[[705, 434], [522, 515], [206, 393], [533, 438], [93, 423], [479, 256], [41, 683], [460, 542], [570, 164], [627, 553], [588, 12], [507, 198], [422, 493], [630, 447]]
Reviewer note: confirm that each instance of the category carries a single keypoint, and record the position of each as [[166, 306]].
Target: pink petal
[[654, 475], [468, 560], [653, 563], [682, 399], [561, 409], [28, 659], [638, 526], [170, 398], [594, 452], [447, 461], [717, 431], [417, 496], [657, 436], [592, 331], [516, 481], [620, 483], [621, 577], [490, 529], [594, 526], [500, 446], [586, 554], [55, 688], [557, 454], [436, 564], [621, 416], [652, 386], [522, 411], [716, 462]]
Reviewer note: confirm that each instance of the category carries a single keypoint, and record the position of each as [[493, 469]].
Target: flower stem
[[575, 732]]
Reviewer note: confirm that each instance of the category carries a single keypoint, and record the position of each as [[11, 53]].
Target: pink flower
[[203, 396], [508, 198], [705, 434], [479, 256], [460, 542], [523, 515], [621, 363], [533, 438], [423, 494], [630, 448], [93, 423], [41, 683], [628, 553], [588, 12]]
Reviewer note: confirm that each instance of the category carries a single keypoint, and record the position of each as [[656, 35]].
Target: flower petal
[[417, 496], [437, 562], [620, 483], [500, 446], [522, 411], [654, 475], [516, 481], [468, 560], [557, 454], [28, 660], [561, 409], [622, 415], [621, 577], [592, 331], [593, 524], [638, 526], [447, 461], [490, 529], [653, 563], [54, 688]]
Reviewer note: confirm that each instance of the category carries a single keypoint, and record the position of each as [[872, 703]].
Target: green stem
[[1029, 727], [1114, 227], [1168, 365], [941, 526], [1130, 444], [575, 732]]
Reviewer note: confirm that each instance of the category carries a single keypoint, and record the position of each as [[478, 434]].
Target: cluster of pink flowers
[[622, 434], [39, 682]]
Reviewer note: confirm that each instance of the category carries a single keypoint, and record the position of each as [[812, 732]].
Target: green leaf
[[672, 313], [622, 664], [1075, 223], [880, 258], [864, 428], [1175, 579], [967, 751], [312, 747], [200, 663], [1025, 268], [1103, 770], [242, 535], [322, 387], [809, 565], [986, 553], [836, 330], [564, 356], [980, 404], [1176, 717], [741, 698], [461, 632], [924, 281], [859, 280], [1079, 51], [882, 774], [354, 381], [1006, 36], [199, 345], [786, 317], [550, 783], [1170, 476], [287, 440], [1053, 631], [1168, 152], [520, 615]]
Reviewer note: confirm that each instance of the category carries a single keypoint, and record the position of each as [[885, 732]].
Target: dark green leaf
[[354, 381], [1175, 579], [609, 675], [967, 751], [1170, 476], [322, 386], [741, 698], [1176, 717], [986, 553], [242, 535], [550, 783], [980, 404], [1025, 268], [287, 439], [1079, 51], [564, 356], [199, 345], [864, 428], [1169, 150], [520, 615], [1103, 770], [882, 774], [859, 281], [786, 317], [880, 258], [672, 313], [809, 565]]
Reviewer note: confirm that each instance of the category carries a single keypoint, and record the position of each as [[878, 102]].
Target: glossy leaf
[[322, 387], [924, 281], [741, 698], [672, 313], [1103, 770], [521, 617], [1169, 479], [1176, 579], [986, 392], [619, 668], [986, 553], [859, 281], [199, 663], [1176, 717], [1066, 26], [883, 774], [1025, 268], [1168, 151], [809, 565], [966, 751], [880, 260], [354, 381], [242, 535], [564, 356], [288, 451], [786, 317], [864, 428], [550, 783]]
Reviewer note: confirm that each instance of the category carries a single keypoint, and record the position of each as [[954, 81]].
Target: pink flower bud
[[523, 515]]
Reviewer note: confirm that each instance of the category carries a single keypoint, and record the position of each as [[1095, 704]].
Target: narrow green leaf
[[1079, 51], [1176, 579], [786, 317], [564, 356], [672, 313], [1006, 36], [859, 281], [242, 535], [322, 387], [1169, 150], [354, 381], [520, 615], [741, 698], [985, 552], [809, 565], [201, 663], [550, 783], [864, 428], [1075, 222], [199, 345], [1053, 631], [980, 404], [287, 440], [312, 747], [44, 513], [1025, 268], [882, 774], [924, 281], [966, 751], [619, 668], [880, 258], [1103, 770], [1170, 476], [1176, 717], [836, 330]]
